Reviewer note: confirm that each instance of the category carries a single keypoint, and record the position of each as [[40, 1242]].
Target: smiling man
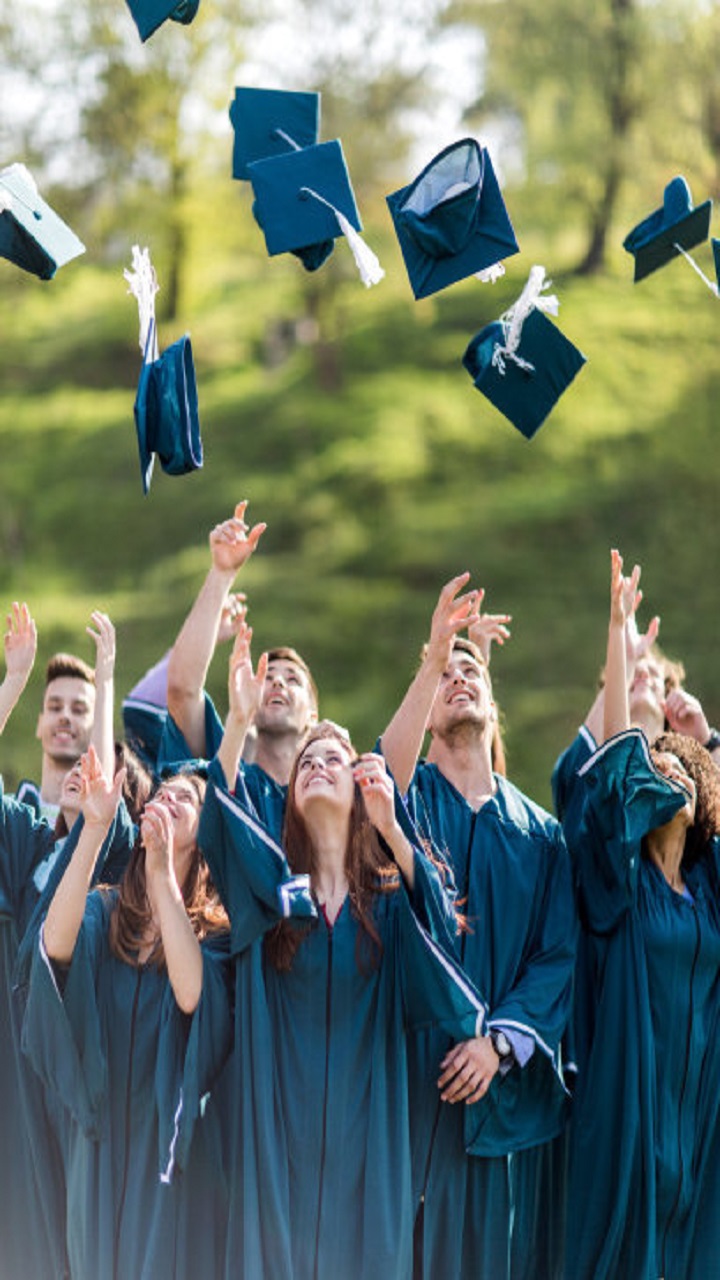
[[64, 729], [477, 1102]]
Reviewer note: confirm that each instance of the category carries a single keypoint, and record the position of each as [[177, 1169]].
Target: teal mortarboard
[[31, 233], [669, 231], [271, 122], [451, 221], [304, 200], [522, 362], [148, 15], [166, 411]]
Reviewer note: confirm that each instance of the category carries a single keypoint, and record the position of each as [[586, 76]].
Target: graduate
[[645, 1133], [33, 853], [289, 705], [502, 1092], [127, 1020], [332, 967]]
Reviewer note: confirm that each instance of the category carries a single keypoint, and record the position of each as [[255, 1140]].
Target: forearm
[[403, 853], [183, 956], [103, 731], [190, 658], [231, 749], [66, 911], [617, 710], [403, 739], [10, 692], [595, 718]]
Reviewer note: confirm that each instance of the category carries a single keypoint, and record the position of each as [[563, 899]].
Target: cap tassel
[[489, 275], [367, 262], [513, 320], [143, 284], [710, 284]]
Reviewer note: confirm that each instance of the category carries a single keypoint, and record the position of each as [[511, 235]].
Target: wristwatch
[[502, 1045], [713, 741]]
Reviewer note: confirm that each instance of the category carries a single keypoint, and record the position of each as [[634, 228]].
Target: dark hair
[[139, 784], [66, 664], [132, 913], [703, 771], [368, 867], [286, 654]]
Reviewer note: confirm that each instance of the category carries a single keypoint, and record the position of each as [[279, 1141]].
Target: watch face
[[502, 1044]]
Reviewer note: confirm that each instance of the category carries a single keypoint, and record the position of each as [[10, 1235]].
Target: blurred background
[[344, 415]]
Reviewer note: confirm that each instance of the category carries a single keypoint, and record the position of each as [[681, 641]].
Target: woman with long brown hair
[[332, 967], [127, 1017]]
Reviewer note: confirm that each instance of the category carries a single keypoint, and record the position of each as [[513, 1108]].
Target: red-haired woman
[[332, 967], [127, 1018]]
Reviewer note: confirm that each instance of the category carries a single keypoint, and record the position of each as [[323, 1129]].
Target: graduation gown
[[322, 1128], [143, 1172], [514, 886], [644, 1142]]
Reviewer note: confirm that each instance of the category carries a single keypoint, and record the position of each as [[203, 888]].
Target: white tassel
[[531, 299], [366, 261], [6, 203], [711, 286], [489, 275], [143, 284]]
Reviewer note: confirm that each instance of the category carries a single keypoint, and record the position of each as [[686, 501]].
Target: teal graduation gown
[[513, 881], [322, 1134], [645, 1132], [143, 1170]]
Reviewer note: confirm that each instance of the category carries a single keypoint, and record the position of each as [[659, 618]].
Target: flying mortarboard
[[31, 234], [148, 15], [271, 122], [669, 231], [522, 362], [304, 200], [166, 404], [716, 259], [451, 222]]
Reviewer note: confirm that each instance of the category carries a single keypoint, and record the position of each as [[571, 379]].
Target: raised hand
[[103, 633], [377, 791], [637, 643], [684, 714], [454, 612], [99, 797], [234, 613], [232, 542], [20, 642], [486, 628], [158, 837], [245, 687]]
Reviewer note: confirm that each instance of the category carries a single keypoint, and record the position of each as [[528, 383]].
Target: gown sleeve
[[249, 868], [192, 1051], [62, 1027], [25, 840], [174, 751], [625, 797]]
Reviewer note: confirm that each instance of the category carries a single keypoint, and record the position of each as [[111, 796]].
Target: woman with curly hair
[[644, 1178], [127, 1020], [333, 965]]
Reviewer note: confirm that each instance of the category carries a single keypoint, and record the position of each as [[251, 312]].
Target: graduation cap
[[166, 412], [166, 404], [304, 200], [148, 15], [451, 222], [271, 122], [669, 231], [31, 234], [522, 362], [716, 259]]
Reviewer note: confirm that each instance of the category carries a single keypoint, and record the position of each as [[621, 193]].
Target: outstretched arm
[[488, 628], [99, 801], [402, 740], [20, 650], [231, 544], [378, 793], [637, 645], [103, 733], [617, 707], [244, 695]]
